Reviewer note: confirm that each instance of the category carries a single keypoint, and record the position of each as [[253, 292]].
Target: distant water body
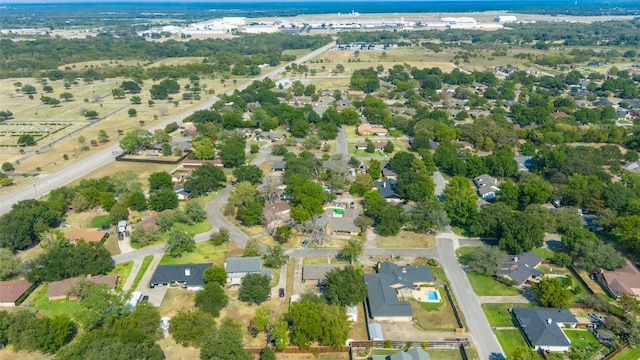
[[292, 8]]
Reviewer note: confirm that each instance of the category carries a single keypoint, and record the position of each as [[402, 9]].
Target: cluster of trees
[[24, 330], [62, 260]]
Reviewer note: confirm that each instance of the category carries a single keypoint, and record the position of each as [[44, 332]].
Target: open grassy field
[[498, 314], [38, 300], [406, 239], [176, 300], [485, 285], [628, 354], [205, 252], [122, 270], [8, 354], [510, 340], [173, 351], [176, 61]]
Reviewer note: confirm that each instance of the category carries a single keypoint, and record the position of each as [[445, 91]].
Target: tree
[[135, 140], [130, 86], [280, 334], [486, 260], [275, 257], [7, 166], [252, 248], [460, 201], [219, 237], [628, 232], [91, 114], [118, 93], [428, 214], [136, 100], [132, 112], [250, 173], [212, 299], [9, 265], [415, 186], [267, 353], [352, 249], [362, 184], [375, 169], [166, 149], [254, 289], [29, 89], [119, 211], [345, 287], [195, 212], [203, 148], [66, 96], [179, 242], [389, 147], [65, 261], [232, 151], [363, 222], [551, 292], [189, 327], [103, 137], [311, 320], [261, 319], [26, 140], [204, 179], [225, 343], [163, 199], [216, 275], [282, 234]]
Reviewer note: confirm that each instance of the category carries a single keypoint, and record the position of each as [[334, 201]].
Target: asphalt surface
[[341, 142], [440, 182], [477, 323]]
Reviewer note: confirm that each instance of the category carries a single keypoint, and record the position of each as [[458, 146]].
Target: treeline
[[26, 58], [615, 33]]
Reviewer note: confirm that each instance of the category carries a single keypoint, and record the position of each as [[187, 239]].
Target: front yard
[[205, 252], [510, 340], [498, 314], [628, 354], [406, 239], [485, 285]]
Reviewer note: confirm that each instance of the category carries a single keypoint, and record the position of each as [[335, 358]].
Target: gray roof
[[524, 161], [344, 223], [189, 274], [278, 165], [387, 188], [243, 264], [382, 297], [375, 331], [536, 328], [318, 271], [521, 267], [386, 170], [339, 166], [412, 354]]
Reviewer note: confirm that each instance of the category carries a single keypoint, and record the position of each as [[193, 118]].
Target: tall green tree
[[345, 287], [212, 299], [460, 201], [225, 343], [254, 289], [179, 242]]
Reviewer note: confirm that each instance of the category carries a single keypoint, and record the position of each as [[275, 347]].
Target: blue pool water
[[432, 295]]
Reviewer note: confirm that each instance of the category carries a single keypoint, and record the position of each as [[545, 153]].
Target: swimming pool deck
[[421, 295]]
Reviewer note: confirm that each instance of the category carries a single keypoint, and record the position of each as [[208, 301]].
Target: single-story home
[[542, 327], [521, 267], [487, 186], [278, 166], [88, 235], [12, 291], [378, 145], [315, 274], [411, 354], [181, 193], [238, 267], [387, 172], [625, 280], [368, 129], [341, 221], [391, 282], [58, 290], [387, 189], [276, 214], [524, 162], [189, 276]]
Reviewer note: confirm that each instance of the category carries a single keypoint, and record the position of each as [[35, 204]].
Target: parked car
[[281, 292], [269, 296], [304, 243], [596, 318], [144, 299]]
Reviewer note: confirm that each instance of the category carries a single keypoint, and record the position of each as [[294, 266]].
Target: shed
[[352, 313], [375, 332]]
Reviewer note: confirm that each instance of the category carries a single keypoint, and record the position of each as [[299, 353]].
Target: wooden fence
[[151, 160], [311, 350], [616, 352], [453, 306]]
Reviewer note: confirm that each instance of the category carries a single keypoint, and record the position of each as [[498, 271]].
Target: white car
[[113, 152]]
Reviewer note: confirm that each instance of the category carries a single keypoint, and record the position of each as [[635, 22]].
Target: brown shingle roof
[[10, 291], [624, 280], [60, 288], [89, 235]]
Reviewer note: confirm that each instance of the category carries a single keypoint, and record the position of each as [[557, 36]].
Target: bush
[[220, 237]]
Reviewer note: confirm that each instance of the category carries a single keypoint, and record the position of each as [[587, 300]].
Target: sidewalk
[[132, 275], [517, 299]]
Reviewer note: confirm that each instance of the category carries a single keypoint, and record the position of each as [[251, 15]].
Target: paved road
[[440, 182], [47, 182], [341, 142], [484, 338]]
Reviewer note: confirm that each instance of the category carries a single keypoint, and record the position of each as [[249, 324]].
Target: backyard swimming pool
[[432, 295]]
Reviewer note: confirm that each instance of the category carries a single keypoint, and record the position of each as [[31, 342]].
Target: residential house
[[368, 129], [411, 354], [188, 127], [88, 235], [181, 193], [273, 136], [567, 66], [524, 162], [559, 115], [58, 290], [12, 292], [521, 267], [189, 276], [465, 144], [341, 221], [338, 166], [487, 186], [192, 164], [602, 102], [276, 214], [238, 267], [316, 274], [387, 173], [180, 175], [278, 167], [542, 327], [625, 280], [363, 145], [387, 189], [387, 289]]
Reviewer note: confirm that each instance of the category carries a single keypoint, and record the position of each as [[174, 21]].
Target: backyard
[[498, 314], [510, 340], [205, 252], [434, 316], [582, 338], [38, 300], [628, 354]]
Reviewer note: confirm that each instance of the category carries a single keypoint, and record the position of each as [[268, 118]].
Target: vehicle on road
[[113, 152], [597, 318], [281, 292], [305, 243]]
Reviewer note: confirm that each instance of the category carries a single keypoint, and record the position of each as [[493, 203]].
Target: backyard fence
[[453, 306]]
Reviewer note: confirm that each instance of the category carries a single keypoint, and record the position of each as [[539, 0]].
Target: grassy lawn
[[510, 340], [582, 338], [195, 228], [173, 351], [38, 300], [97, 221], [628, 354], [9, 354], [122, 270], [485, 285], [437, 354], [434, 316], [205, 252], [498, 314], [464, 253], [313, 260], [359, 328], [406, 239], [143, 268], [111, 244], [438, 272], [176, 300], [545, 253]]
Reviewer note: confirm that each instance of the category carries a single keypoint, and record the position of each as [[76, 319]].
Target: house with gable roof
[[542, 327], [411, 354], [521, 267], [387, 289], [625, 280], [239, 267]]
